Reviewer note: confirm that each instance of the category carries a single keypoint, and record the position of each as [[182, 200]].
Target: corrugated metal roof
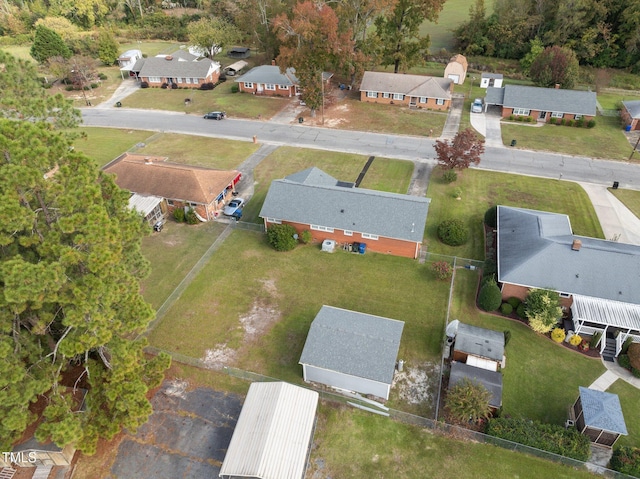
[[602, 410], [353, 343], [269, 74], [604, 311], [309, 198], [144, 204], [633, 107], [273, 433], [550, 99], [414, 85], [535, 250], [481, 342], [491, 380]]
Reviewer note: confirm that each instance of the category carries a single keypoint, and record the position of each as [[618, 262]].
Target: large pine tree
[[47, 44]]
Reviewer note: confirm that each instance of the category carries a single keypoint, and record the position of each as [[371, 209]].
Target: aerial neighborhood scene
[[295, 239]]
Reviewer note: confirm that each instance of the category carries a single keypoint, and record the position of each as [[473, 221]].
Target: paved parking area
[[187, 435]]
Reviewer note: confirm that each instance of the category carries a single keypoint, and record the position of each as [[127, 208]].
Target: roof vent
[[577, 244], [148, 161], [168, 58]]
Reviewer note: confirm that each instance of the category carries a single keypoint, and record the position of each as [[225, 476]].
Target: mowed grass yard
[[106, 144], [483, 189], [630, 198], [605, 140]]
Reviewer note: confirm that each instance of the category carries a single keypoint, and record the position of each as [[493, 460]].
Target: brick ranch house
[[597, 279], [181, 68], [630, 114], [203, 189], [416, 91], [542, 104], [312, 200], [268, 80]]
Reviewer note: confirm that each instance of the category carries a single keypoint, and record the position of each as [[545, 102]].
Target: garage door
[[454, 78]]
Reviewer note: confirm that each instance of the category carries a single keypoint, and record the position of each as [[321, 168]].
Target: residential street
[[417, 149]]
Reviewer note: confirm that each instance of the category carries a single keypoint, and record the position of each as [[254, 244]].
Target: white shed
[[273, 434], [352, 351], [491, 80]]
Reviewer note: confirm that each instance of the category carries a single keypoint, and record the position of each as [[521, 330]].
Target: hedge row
[[626, 460], [548, 437]]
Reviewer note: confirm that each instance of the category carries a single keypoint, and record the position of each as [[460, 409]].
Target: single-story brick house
[[269, 80], [456, 69], [596, 279], [630, 114], [491, 380], [273, 435], [417, 91], [311, 200], [478, 347], [203, 189], [181, 68], [491, 80], [598, 415], [543, 104], [352, 351]]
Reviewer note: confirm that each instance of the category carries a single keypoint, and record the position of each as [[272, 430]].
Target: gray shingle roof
[[481, 342], [633, 107], [414, 85], [550, 99], [269, 74], [491, 75], [602, 410], [317, 201], [535, 250], [494, 96], [161, 67], [491, 380], [358, 344]]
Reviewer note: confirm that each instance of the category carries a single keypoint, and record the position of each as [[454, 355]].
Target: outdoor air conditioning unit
[[569, 423]]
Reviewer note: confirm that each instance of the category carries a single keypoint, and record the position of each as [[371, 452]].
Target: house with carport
[[180, 69], [598, 415], [414, 91], [182, 186], [597, 280], [269, 80], [352, 351], [273, 435], [127, 60], [312, 200], [542, 104]]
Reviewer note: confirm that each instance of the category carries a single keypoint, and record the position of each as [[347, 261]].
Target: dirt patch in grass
[[417, 387]]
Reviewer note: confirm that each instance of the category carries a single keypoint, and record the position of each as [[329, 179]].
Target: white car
[[477, 106], [234, 205]]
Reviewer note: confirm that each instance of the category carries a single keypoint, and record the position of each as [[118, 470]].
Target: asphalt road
[[411, 148]]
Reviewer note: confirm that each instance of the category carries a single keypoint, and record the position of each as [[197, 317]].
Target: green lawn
[[630, 402], [151, 48], [609, 100], [482, 189], [106, 144], [630, 198], [172, 254], [605, 140], [19, 51], [350, 444], [239, 105]]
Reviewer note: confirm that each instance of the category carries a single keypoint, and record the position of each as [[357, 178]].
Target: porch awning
[[606, 312]]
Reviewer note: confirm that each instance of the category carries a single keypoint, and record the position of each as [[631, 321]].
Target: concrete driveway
[[488, 125], [186, 437]]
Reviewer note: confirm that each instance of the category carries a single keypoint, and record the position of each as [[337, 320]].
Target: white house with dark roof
[[352, 351], [598, 415], [478, 347], [273, 434], [417, 91], [180, 69], [543, 104], [491, 80], [312, 200], [597, 279], [630, 114], [269, 80]]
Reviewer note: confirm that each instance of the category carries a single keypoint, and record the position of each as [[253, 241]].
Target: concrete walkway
[[452, 125], [604, 381]]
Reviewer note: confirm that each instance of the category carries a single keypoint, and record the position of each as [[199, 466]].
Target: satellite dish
[[452, 328]]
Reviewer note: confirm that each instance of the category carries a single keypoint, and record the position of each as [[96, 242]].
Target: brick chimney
[[577, 244], [273, 63], [148, 161], [557, 87]]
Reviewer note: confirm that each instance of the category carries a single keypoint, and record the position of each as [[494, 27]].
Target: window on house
[[321, 228], [423, 99], [439, 101], [248, 84], [372, 94], [269, 86], [348, 233], [178, 80], [154, 79], [521, 112], [386, 95], [170, 202], [577, 117], [196, 81], [565, 295], [557, 114], [368, 236], [273, 220], [283, 87], [187, 80], [398, 96]]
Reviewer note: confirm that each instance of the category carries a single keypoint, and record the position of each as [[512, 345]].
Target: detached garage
[[273, 434], [352, 351]]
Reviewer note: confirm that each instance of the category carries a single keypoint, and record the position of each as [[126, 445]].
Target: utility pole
[[322, 90], [635, 148]]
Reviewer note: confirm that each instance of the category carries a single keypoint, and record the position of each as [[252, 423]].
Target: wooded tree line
[[602, 33]]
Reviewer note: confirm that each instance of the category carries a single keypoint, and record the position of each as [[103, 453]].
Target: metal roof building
[[273, 434], [353, 351]]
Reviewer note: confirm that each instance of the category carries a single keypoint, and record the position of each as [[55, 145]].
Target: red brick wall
[[213, 78], [381, 245], [535, 114], [431, 102], [626, 117], [512, 290], [277, 92]]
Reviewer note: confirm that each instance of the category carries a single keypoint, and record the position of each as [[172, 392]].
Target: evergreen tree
[[70, 265], [47, 44], [108, 49]]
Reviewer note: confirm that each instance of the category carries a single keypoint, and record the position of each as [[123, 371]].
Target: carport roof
[[494, 96], [353, 343], [272, 436]]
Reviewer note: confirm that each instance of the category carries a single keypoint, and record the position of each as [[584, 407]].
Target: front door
[[543, 116]]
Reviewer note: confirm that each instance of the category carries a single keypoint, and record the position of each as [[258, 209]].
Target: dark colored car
[[215, 115]]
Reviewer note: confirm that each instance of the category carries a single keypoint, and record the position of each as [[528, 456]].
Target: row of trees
[[602, 34], [71, 312]]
